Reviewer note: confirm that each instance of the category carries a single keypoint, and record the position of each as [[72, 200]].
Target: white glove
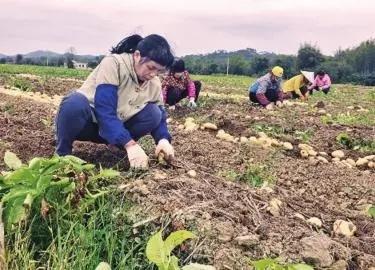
[[166, 148], [192, 103], [270, 106], [279, 103], [137, 157]]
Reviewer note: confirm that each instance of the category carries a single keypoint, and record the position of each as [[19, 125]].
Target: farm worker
[[296, 87], [178, 85], [322, 82], [266, 90], [120, 101]]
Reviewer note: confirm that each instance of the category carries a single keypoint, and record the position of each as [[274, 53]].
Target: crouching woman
[[120, 101], [266, 90]]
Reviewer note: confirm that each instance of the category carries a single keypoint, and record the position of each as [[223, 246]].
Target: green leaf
[[43, 183], [265, 264], [88, 167], [28, 201], [175, 239], [371, 211], [301, 266], [74, 159], [50, 167], [34, 164], [63, 182], [71, 187], [173, 263], [19, 191], [106, 174], [155, 249], [12, 161], [14, 211], [23, 175]]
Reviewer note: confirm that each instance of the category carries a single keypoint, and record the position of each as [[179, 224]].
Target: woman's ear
[[137, 56]]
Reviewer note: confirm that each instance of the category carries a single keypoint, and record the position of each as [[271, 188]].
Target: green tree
[[309, 57], [259, 65], [19, 58], [237, 65], [288, 63]]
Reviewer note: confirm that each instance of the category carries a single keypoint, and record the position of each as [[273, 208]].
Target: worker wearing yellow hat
[[266, 90], [296, 87]]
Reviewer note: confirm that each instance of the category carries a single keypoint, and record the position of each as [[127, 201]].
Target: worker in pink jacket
[[322, 82], [178, 85]]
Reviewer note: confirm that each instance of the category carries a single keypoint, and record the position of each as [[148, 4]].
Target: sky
[[191, 27]]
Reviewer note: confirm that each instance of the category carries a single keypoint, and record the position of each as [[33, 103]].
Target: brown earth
[[219, 209]]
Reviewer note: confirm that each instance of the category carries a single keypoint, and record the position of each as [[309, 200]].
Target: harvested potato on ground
[[315, 221], [322, 159], [222, 135], [304, 153], [338, 154], [344, 228], [288, 146], [190, 125], [209, 126], [361, 162]]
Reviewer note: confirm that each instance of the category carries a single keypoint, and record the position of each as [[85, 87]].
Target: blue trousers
[[74, 122]]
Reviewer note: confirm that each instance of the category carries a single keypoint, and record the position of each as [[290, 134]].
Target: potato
[[244, 140], [224, 136], [338, 154], [288, 146], [253, 140], [361, 162], [209, 126], [322, 159], [305, 147], [350, 161], [192, 173], [315, 221], [190, 125], [371, 157], [312, 153], [304, 153], [344, 228]]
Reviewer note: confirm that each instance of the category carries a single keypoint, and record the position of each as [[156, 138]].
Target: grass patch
[[80, 239], [44, 71], [62, 213], [20, 83], [362, 145], [254, 175], [276, 131], [351, 119]]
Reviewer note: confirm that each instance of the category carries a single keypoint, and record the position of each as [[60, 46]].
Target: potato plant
[[43, 183]]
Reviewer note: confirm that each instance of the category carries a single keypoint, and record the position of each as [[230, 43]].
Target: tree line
[[353, 65]]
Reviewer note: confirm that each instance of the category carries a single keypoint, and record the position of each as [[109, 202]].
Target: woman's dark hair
[[154, 47], [178, 66], [321, 72]]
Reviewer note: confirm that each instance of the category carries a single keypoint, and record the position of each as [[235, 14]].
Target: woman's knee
[[154, 113], [74, 105]]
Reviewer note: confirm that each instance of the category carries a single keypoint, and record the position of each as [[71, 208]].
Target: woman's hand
[[166, 148], [137, 157]]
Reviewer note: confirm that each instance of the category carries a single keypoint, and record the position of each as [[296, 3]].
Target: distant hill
[[40, 53], [221, 56], [53, 55]]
